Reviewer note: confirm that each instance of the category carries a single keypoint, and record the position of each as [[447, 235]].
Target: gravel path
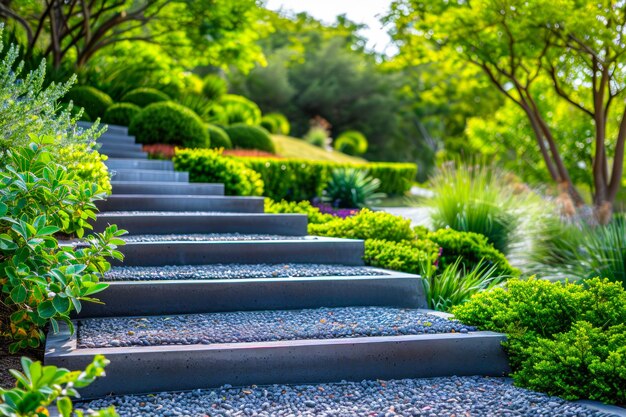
[[235, 271], [203, 237], [436, 397], [261, 326]]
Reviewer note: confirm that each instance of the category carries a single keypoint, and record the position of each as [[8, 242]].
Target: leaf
[[18, 294], [64, 404], [6, 243], [46, 310], [61, 304], [3, 209], [47, 230], [95, 288]]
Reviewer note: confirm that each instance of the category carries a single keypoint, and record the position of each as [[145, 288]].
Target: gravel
[[204, 237], [261, 326], [236, 271], [454, 396]]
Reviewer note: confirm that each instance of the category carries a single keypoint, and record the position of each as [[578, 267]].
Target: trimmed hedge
[[169, 123], [94, 101], [145, 96], [219, 137], [366, 225], [250, 137], [121, 114]]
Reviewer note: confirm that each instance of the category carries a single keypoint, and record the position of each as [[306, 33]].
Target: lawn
[[290, 147]]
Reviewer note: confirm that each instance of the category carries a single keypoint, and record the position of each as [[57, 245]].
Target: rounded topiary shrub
[[143, 97], [94, 101], [250, 137], [351, 142], [169, 123], [238, 109], [219, 137], [276, 123], [121, 114], [214, 87]]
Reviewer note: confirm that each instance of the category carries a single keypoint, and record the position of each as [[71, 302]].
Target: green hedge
[[250, 137], [219, 137], [121, 114], [145, 96]]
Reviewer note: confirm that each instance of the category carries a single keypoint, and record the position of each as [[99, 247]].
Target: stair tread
[[212, 237]]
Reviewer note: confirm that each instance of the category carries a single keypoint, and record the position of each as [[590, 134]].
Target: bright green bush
[[94, 101], [250, 137], [208, 165], [214, 87], [219, 137], [409, 256], [169, 123], [352, 188], [314, 214], [351, 142], [367, 225], [565, 339], [88, 165], [121, 114], [144, 96], [317, 136], [76, 112], [238, 109], [276, 123], [396, 178]]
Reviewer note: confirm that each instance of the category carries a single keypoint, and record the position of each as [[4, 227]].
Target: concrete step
[[169, 367], [166, 188], [286, 250], [203, 222], [150, 202], [128, 147], [149, 175], [140, 164], [122, 154], [110, 138], [120, 130], [154, 297]]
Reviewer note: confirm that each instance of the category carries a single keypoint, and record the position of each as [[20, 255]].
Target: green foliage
[[238, 109], [367, 225], [169, 123], [472, 249], [199, 104], [121, 114], [86, 164], [39, 387], [44, 282], [214, 87], [250, 137], [207, 165], [395, 178], [563, 338], [406, 256], [315, 216], [351, 142], [276, 123], [352, 188], [145, 96], [219, 137], [317, 136], [94, 101]]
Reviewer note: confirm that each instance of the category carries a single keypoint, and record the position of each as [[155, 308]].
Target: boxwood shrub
[[145, 96], [351, 142], [367, 225], [94, 101], [238, 109], [219, 137], [250, 137], [276, 123], [409, 256], [121, 114], [169, 123]]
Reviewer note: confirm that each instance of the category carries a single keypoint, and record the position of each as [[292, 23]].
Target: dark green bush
[[366, 225], [169, 123], [94, 101], [208, 165], [351, 142], [411, 256], [214, 87], [276, 123], [121, 114], [314, 214], [219, 137], [250, 137], [145, 96]]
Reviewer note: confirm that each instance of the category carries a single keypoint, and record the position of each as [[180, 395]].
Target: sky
[[360, 11]]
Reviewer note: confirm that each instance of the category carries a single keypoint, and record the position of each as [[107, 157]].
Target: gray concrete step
[[204, 222], [149, 175], [148, 202], [141, 164], [135, 298], [123, 154], [116, 139], [128, 147], [165, 188], [120, 130], [310, 250]]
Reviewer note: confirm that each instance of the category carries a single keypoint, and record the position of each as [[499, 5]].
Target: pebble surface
[[236, 271], [261, 326], [433, 397], [204, 237]]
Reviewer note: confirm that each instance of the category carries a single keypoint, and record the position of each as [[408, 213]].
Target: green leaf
[[6, 243], [18, 294], [95, 288], [61, 304], [64, 404], [3, 209], [46, 310], [47, 230]]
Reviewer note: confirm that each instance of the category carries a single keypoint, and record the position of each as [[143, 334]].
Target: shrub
[[250, 137], [563, 338], [94, 101], [214, 87], [367, 225], [76, 112], [169, 123], [238, 109], [395, 178], [351, 142], [314, 214], [198, 103], [145, 96], [317, 136], [207, 165], [219, 137], [121, 114], [87, 164], [276, 123], [409, 256], [351, 188]]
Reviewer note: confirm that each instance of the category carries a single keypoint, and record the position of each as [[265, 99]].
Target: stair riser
[[155, 298], [167, 188], [116, 139], [289, 225], [181, 203], [114, 164], [138, 175], [177, 368], [126, 154], [328, 251], [126, 147], [120, 130]]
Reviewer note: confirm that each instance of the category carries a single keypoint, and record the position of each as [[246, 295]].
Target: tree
[[578, 45]]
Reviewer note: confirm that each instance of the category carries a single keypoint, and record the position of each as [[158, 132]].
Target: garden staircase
[[174, 224]]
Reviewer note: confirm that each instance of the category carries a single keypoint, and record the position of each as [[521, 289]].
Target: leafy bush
[[351, 188], [351, 142], [250, 137], [367, 225], [317, 136], [38, 387], [199, 104], [145, 96], [563, 338], [314, 214], [238, 109], [219, 137], [121, 114], [76, 112], [472, 248], [409, 256], [169, 123], [276, 123], [207, 165], [87, 165], [214, 87], [94, 101], [396, 178]]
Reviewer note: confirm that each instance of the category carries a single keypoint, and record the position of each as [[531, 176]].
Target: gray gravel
[[203, 237], [436, 397], [261, 326], [235, 271]]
